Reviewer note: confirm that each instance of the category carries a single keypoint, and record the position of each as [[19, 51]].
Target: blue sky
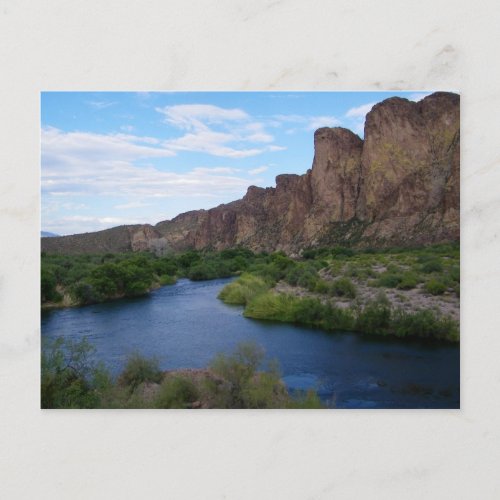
[[111, 158]]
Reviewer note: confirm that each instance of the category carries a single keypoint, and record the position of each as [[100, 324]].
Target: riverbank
[[402, 292], [70, 380], [186, 326], [68, 300], [205, 389], [406, 293], [78, 280]]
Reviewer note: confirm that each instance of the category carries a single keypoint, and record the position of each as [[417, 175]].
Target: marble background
[[239, 45]]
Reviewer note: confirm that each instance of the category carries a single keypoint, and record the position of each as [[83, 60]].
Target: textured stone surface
[[398, 186]]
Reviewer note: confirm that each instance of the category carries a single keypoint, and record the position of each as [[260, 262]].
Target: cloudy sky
[[111, 158]]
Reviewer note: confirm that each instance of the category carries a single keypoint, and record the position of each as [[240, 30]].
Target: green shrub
[[455, 274], [237, 370], [408, 281], [336, 319], [264, 390], [242, 386], [343, 287], [308, 311], [165, 279], [375, 318], [69, 379], [342, 252], [424, 323], [176, 392], [202, 271], [103, 287], [305, 401], [322, 287], [272, 306], [389, 280], [432, 266], [139, 370], [244, 289], [435, 287], [165, 266], [83, 293], [48, 285], [305, 311], [304, 275], [187, 259]]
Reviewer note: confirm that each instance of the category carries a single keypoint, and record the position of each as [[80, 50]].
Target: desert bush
[[336, 319], [322, 286], [138, 370], [305, 401], [424, 323], [408, 281], [202, 271], [48, 283], [435, 287], [455, 273], [343, 287], [305, 311], [272, 306], [433, 265], [166, 279], [241, 385], [176, 392], [69, 379], [237, 370], [389, 280], [375, 317], [241, 291]]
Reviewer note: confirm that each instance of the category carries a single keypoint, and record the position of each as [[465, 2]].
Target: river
[[185, 326]]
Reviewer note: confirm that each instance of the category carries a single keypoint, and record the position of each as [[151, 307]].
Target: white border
[[241, 45]]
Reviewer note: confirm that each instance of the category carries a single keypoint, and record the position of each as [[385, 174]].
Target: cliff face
[[399, 186]]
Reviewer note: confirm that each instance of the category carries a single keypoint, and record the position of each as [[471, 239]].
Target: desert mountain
[[400, 186]]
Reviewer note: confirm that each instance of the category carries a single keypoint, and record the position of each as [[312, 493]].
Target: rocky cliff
[[399, 186]]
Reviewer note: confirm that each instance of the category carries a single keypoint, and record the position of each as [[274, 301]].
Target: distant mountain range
[[399, 186], [46, 234]]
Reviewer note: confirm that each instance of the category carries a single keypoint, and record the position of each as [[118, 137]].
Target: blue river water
[[185, 326]]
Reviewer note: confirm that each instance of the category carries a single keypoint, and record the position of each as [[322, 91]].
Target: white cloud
[[100, 104], [216, 170], [127, 128], [82, 164], [418, 96], [73, 224], [316, 122], [60, 146], [307, 123], [132, 204], [225, 132], [290, 118], [211, 142], [360, 111], [260, 137], [258, 170], [197, 116]]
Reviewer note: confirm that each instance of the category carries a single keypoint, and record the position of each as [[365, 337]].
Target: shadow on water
[[185, 326]]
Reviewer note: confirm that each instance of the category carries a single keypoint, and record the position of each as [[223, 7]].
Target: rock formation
[[400, 186]]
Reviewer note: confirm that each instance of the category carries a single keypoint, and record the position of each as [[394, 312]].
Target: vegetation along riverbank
[[402, 292], [69, 379]]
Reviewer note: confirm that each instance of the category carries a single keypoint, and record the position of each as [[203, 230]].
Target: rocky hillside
[[400, 186]]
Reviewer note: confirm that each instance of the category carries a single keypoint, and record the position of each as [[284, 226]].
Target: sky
[[112, 158]]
